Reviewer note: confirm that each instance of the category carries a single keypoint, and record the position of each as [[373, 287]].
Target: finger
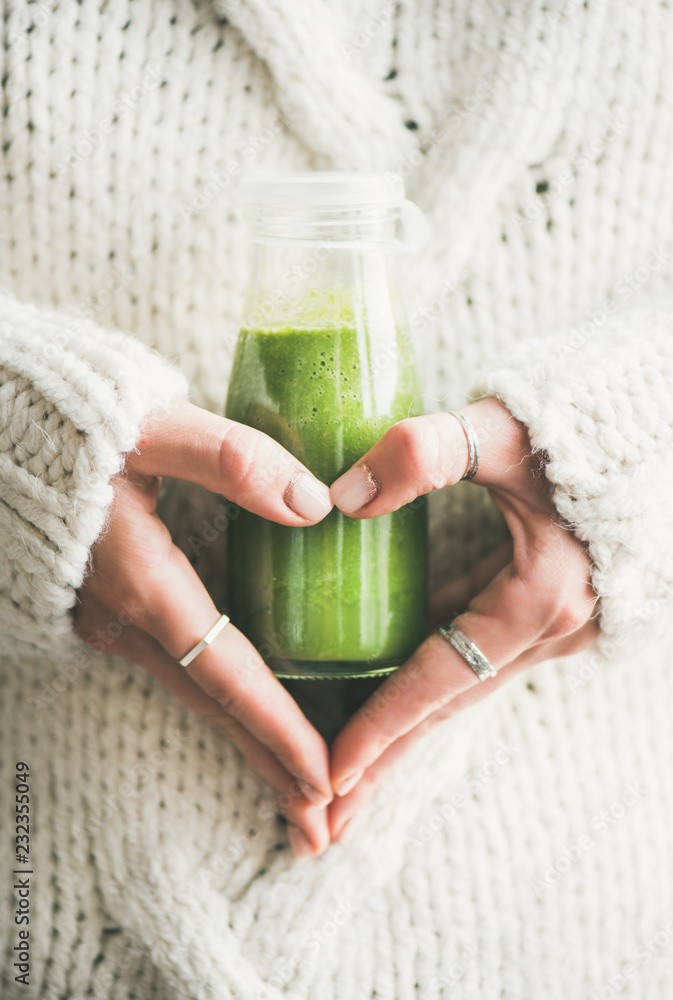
[[343, 808], [177, 611], [427, 680], [93, 619], [455, 596], [567, 645], [412, 458], [510, 616], [246, 466], [426, 453]]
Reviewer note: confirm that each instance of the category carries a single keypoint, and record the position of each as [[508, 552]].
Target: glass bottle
[[324, 364]]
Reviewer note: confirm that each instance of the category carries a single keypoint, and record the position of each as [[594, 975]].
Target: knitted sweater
[[520, 851]]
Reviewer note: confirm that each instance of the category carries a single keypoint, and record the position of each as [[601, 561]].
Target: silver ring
[[206, 641], [472, 655], [472, 444]]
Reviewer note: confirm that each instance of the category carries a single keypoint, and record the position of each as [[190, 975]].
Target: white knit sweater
[[522, 851]]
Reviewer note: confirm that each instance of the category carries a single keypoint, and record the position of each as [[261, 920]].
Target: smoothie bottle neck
[[321, 285], [345, 228], [354, 211]]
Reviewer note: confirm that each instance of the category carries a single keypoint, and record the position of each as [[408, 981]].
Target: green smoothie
[[344, 597]]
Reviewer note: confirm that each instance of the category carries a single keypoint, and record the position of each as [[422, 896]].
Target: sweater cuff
[[73, 398], [601, 408]]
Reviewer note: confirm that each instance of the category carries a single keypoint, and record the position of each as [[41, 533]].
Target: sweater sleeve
[[598, 400], [72, 400]]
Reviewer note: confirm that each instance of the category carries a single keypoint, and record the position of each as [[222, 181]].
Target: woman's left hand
[[529, 601]]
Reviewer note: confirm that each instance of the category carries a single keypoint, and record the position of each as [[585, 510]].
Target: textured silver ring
[[472, 655], [206, 641], [472, 444]]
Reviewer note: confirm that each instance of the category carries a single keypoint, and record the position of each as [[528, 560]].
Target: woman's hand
[[528, 601], [135, 561]]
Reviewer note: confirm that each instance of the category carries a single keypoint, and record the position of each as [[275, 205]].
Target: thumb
[[413, 457], [426, 453], [243, 464]]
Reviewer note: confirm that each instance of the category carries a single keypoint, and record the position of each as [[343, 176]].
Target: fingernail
[[345, 834], [307, 497], [299, 842], [350, 782], [318, 798], [355, 489]]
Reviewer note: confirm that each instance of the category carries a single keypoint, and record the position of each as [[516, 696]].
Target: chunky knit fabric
[[521, 851], [72, 402]]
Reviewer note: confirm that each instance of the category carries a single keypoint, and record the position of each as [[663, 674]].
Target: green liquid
[[344, 597]]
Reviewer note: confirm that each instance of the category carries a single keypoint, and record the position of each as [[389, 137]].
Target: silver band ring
[[472, 655], [206, 641], [472, 444]]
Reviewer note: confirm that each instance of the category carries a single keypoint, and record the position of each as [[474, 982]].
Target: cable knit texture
[[523, 850], [607, 428], [72, 398]]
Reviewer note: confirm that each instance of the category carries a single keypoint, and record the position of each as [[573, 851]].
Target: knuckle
[[292, 803], [285, 753], [293, 812], [557, 582], [137, 597], [385, 733], [240, 458], [441, 714], [148, 589], [567, 618], [218, 688], [150, 620], [221, 720], [415, 448]]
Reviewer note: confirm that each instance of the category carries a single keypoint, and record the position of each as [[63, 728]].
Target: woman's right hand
[[134, 561]]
